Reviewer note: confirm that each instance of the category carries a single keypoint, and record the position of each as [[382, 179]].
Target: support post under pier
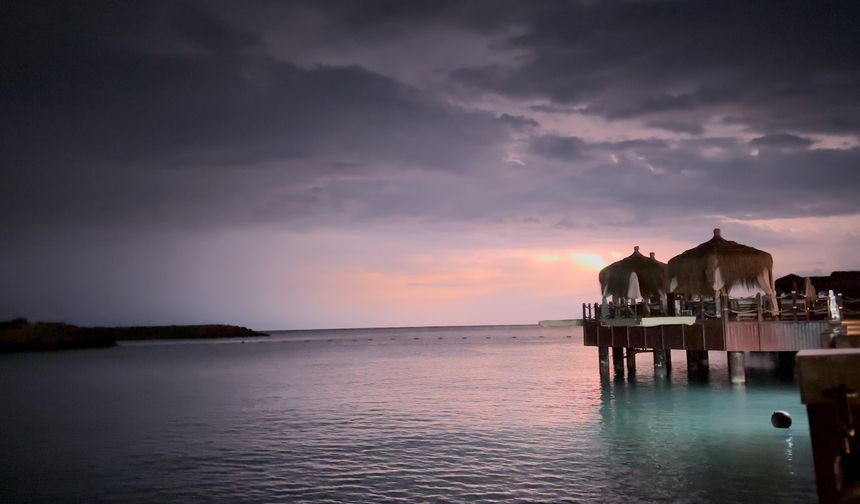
[[603, 359], [618, 360], [631, 361], [785, 363], [692, 361], [736, 368], [697, 361], [660, 362]]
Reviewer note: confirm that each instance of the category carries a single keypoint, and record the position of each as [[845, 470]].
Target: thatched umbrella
[[718, 265], [635, 276]]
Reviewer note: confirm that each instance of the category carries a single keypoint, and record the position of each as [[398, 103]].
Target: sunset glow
[[588, 260]]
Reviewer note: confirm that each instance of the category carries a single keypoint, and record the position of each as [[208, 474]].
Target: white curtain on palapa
[[764, 283], [633, 291], [809, 291], [715, 276]]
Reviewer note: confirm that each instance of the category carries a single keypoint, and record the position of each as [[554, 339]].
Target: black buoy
[[780, 419]]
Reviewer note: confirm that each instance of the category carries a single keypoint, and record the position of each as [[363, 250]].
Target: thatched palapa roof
[[721, 263], [615, 278]]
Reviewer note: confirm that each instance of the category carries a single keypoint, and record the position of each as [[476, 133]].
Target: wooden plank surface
[[713, 335]]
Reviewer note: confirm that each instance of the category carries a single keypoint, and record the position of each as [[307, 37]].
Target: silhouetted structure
[[845, 282]]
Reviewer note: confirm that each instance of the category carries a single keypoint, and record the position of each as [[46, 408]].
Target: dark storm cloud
[[518, 122], [677, 125], [566, 148], [164, 105], [112, 99], [684, 182], [558, 147], [187, 112], [781, 140], [776, 65]]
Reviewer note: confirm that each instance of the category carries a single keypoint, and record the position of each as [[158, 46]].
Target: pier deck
[[713, 334]]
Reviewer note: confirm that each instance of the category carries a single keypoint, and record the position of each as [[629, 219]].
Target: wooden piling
[[703, 360], [692, 361], [660, 368], [697, 361], [631, 361], [737, 372], [603, 359], [659, 359], [785, 363], [618, 360]]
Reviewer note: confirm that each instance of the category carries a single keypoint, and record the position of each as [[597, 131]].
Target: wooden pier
[[735, 337], [685, 304], [712, 335]]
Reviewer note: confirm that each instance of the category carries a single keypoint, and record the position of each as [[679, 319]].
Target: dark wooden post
[[794, 305], [785, 363], [631, 361], [659, 362], [819, 372], [603, 360], [584, 317], [697, 361], [758, 306], [618, 360], [737, 372], [692, 362]]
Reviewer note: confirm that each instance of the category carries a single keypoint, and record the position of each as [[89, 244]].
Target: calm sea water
[[502, 414]]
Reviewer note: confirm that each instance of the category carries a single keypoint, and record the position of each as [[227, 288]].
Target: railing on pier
[[792, 307], [734, 327]]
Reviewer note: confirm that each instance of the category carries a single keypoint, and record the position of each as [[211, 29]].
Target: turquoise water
[[501, 414]]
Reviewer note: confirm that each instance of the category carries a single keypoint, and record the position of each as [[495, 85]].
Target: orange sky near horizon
[[479, 283], [397, 274]]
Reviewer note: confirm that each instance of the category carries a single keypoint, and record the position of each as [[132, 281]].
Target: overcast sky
[[366, 163]]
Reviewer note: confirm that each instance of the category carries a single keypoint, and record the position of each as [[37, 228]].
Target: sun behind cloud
[[588, 260]]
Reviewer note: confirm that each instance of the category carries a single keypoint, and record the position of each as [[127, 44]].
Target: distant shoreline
[[21, 335], [395, 328]]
